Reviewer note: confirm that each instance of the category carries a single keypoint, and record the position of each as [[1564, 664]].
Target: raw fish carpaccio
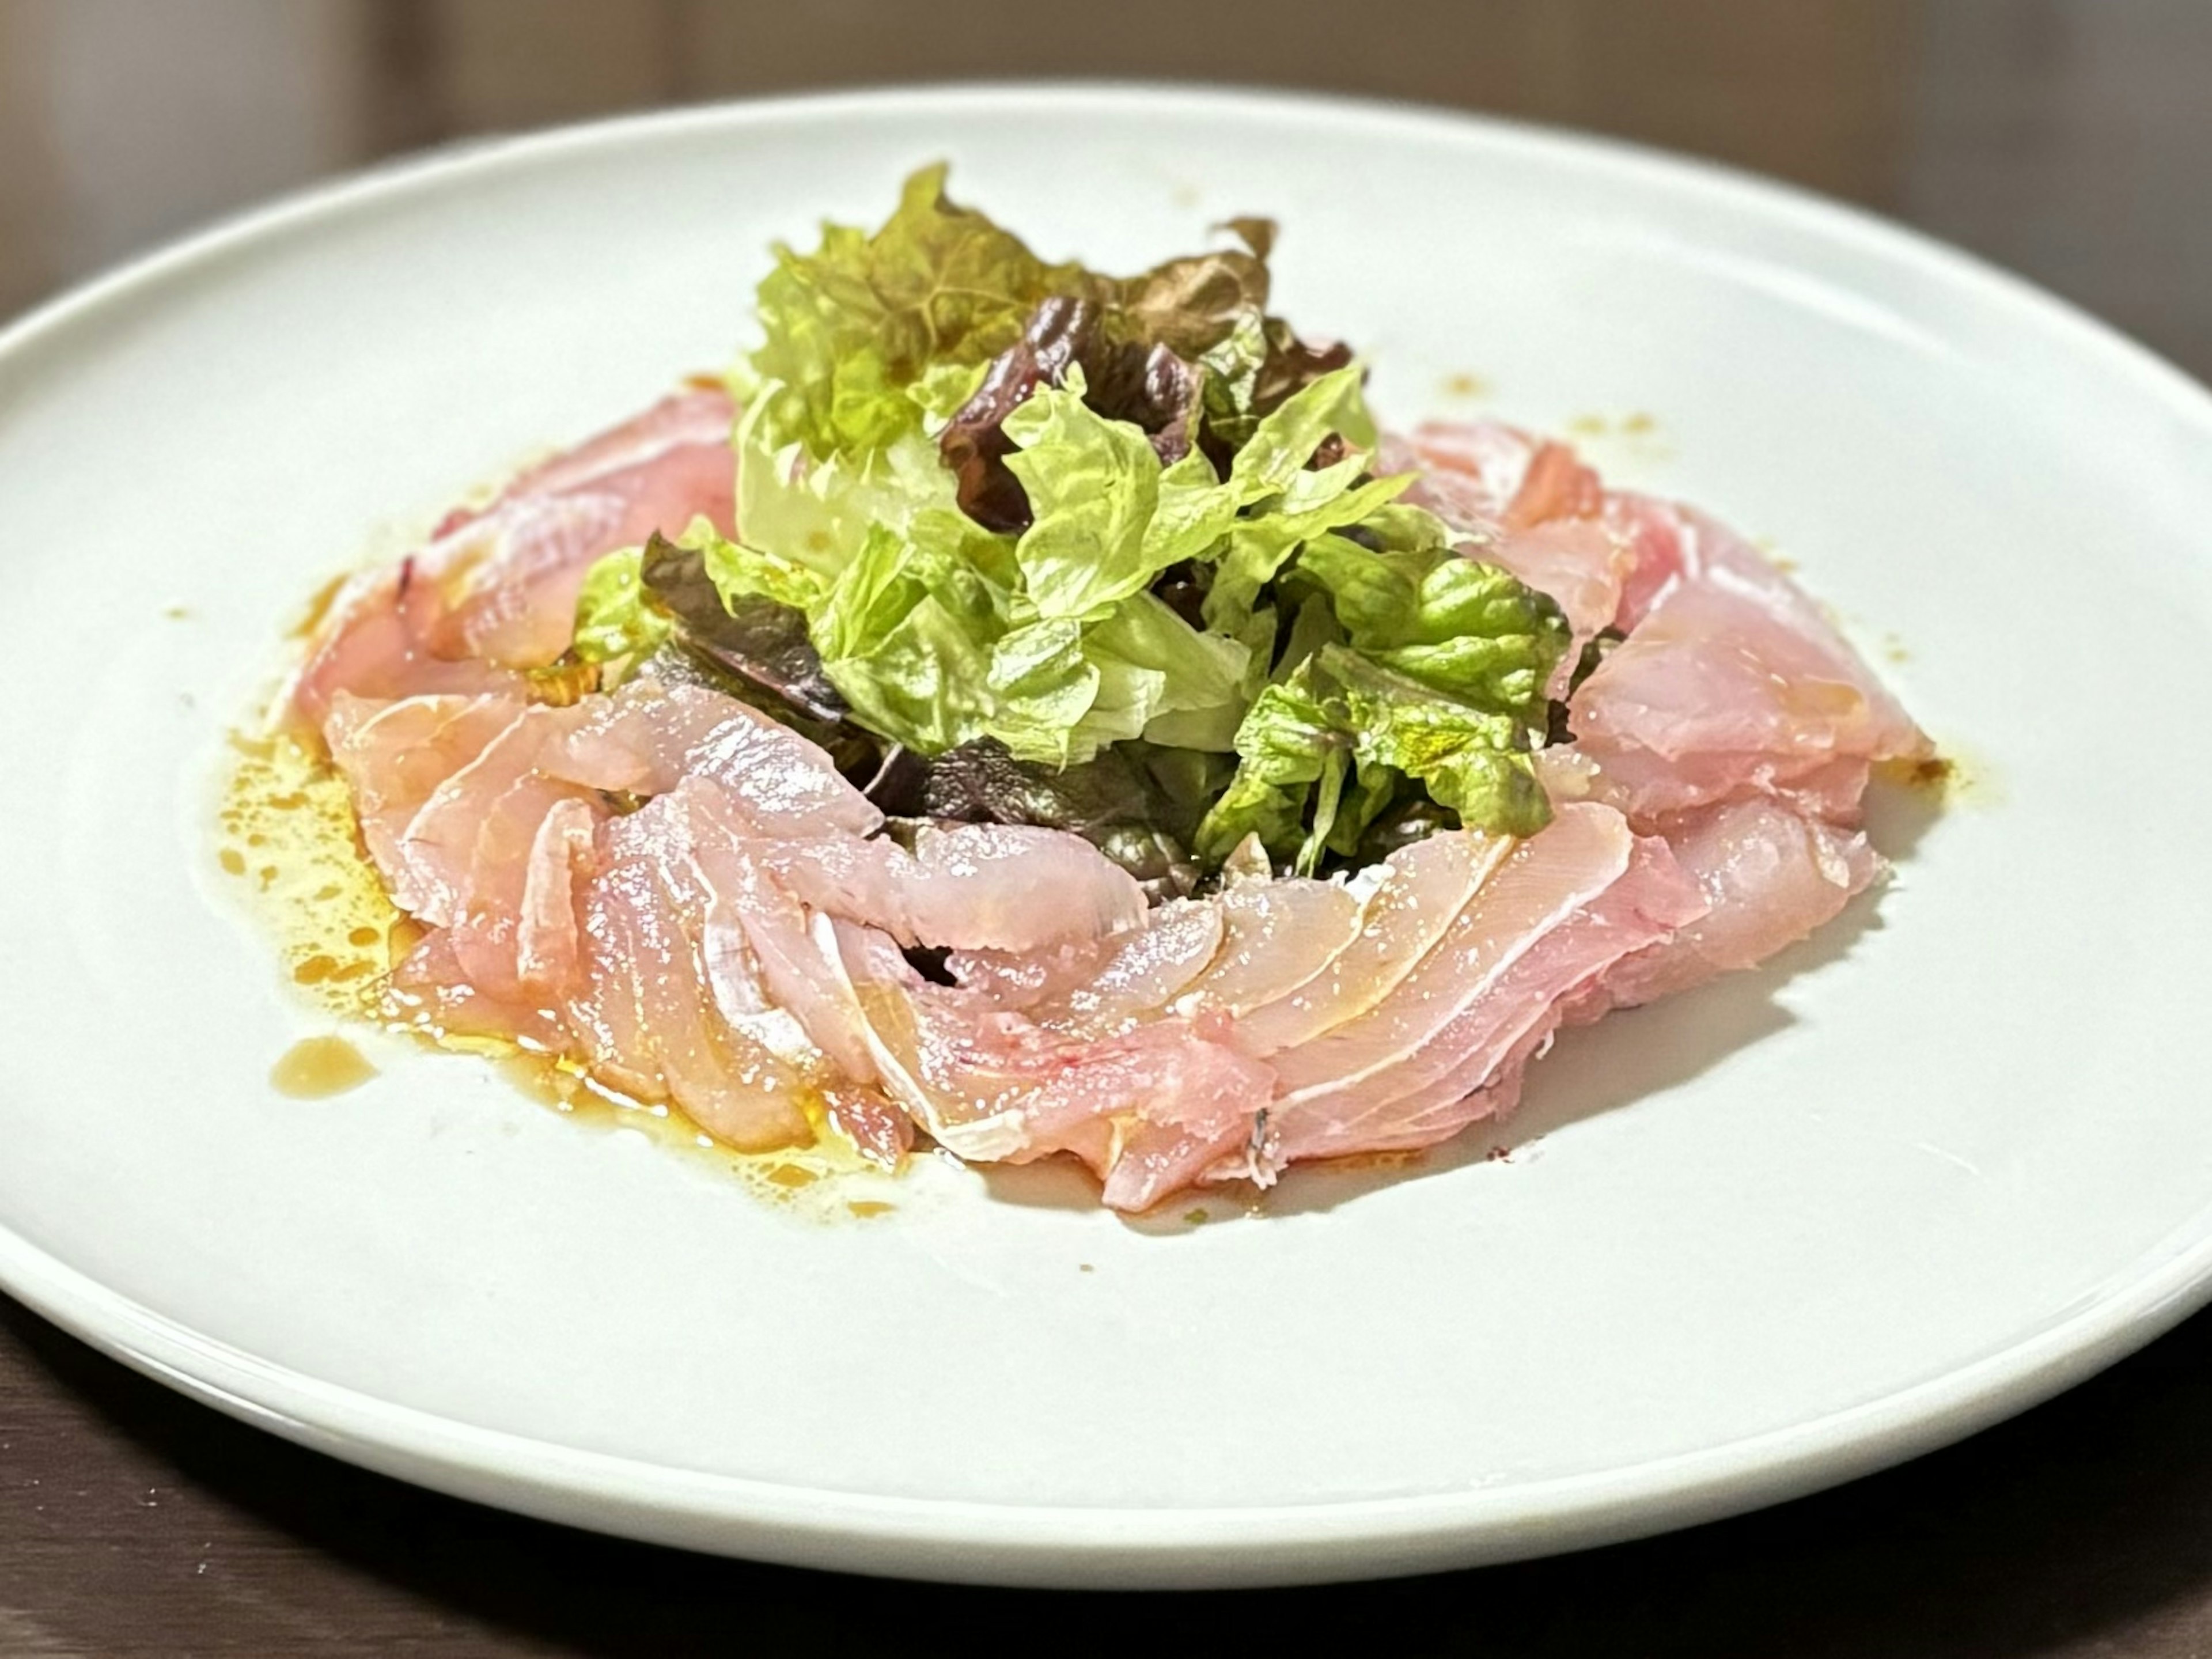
[[669, 888]]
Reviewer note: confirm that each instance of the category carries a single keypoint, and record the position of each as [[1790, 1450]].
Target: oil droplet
[[792, 1175], [318, 1066], [287, 828], [866, 1207], [1084, 1267], [176, 613], [1195, 1217], [1936, 774], [1638, 423], [1463, 384]]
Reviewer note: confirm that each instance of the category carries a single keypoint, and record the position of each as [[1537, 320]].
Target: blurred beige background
[[2065, 137]]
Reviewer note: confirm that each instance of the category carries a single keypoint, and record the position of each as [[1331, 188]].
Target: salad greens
[[1023, 542]]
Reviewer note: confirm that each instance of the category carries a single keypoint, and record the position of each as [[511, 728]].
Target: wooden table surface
[[2070, 139]]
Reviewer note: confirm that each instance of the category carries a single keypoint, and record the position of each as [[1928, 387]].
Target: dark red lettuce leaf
[[1148, 385], [1113, 801]]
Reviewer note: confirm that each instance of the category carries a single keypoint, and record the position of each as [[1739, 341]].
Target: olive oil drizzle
[[287, 837]]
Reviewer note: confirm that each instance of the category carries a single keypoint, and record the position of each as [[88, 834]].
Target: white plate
[[1951, 1158]]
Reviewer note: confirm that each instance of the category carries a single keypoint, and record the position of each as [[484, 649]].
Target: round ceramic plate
[[1947, 1158]]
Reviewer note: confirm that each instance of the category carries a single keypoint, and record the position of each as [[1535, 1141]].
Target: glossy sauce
[[318, 1066], [286, 835], [286, 839], [1949, 779]]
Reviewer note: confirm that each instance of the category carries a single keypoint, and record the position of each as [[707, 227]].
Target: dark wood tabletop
[[2069, 139]]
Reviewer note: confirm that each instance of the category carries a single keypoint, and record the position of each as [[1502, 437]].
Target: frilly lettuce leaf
[[1253, 368], [816, 513], [852, 325], [1051, 642], [1285, 441], [1190, 305], [1198, 678], [1288, 742], [1108, 518], [1460, 628], [1405, 662], [1322, 754], [927, 634], [1258, 546], [1472, 761], [938, 632], [1156, 532], [1295, 501], [905, 633], [1094, 488]]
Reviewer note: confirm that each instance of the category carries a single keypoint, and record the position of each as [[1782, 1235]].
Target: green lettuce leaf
[[1067, 689], [1052, 642], [990, 506], [1284, 501], [927, 636], [1195, 681], [1046, 692], [1312, 626], [816, 512], [1288, 742], [852, 325], [1475, 762], [1405, 662], [615, 617], [1094, 488], [905, 630], [1253, 368], [1462, 629], [1283, 442], [1321, 755], [1258, 546]]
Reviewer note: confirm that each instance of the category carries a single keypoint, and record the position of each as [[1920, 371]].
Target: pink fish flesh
[[494, 591], [672, 890]]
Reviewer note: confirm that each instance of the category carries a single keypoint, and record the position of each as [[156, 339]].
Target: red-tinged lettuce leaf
[[1189, 306], [1137, 804], [657, 610], [1149, 388], [1185, 343], [748, 637]]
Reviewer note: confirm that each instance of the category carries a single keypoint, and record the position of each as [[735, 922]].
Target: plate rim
[[967, 1540]]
